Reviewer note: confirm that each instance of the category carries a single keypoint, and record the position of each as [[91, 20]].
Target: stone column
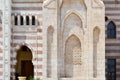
[[7, 36], [30, 20], [24, 20], [36, 20], [18, 16], [13, 20]]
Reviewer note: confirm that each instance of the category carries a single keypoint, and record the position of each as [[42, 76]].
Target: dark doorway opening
[[24, 66], [111, 69], [27, 68]]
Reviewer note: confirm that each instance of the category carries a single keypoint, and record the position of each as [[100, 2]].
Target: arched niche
[[96, 36], [96, 33], [72, 23], [50, 32], [70, 5], [72, 56], [18, 46]]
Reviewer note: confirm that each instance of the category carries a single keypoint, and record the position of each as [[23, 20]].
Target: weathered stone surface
[[66, 41]]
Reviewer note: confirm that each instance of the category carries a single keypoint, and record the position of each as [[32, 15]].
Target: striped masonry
[[33, 40], [113, 45], [1, 52]]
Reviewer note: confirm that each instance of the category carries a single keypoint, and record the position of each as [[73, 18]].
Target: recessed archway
[[24, 65], [96, 36], [50, 35], [72, 57]]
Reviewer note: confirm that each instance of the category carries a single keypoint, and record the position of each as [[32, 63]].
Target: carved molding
[[49, 4], [69, 13], [97, 3], [27, 1]]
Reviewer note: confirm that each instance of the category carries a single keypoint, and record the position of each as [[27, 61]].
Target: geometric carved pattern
[[72, 55], [76, 56], [73, 51]]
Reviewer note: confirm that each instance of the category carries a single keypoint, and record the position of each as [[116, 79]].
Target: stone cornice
[[27, 1], [26, 8]]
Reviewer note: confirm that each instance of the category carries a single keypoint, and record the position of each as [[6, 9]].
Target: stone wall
[[67, 42], [74, 33], [113, 45], [28, 35]]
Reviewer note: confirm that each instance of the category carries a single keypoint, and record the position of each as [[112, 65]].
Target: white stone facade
[[67, 41], [77, 49]]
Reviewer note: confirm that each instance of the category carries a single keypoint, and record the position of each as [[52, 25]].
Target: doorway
[[27, 68], [24, 66], [111, 69]]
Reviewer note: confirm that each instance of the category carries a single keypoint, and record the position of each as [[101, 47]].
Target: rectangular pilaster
[[6, 38]]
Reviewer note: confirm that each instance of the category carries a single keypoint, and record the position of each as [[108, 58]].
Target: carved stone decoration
[[97, 3], [50, 4], [76, 56]]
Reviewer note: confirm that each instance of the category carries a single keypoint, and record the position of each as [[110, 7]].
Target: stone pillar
[[18, 16], [24, 20], [30, 20], [13, 20], [7, 36], [36, 20]]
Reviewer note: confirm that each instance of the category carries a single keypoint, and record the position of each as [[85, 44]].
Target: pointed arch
[[96, 34], [72, 55], [24, 59], [72, 12], [16, 50], [19, 45], [25, 49], [71, 23], [75, 36], [111, 30], [50, 32]]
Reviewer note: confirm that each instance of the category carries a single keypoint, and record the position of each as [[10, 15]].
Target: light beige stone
[[73, 38], [77, 25]]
